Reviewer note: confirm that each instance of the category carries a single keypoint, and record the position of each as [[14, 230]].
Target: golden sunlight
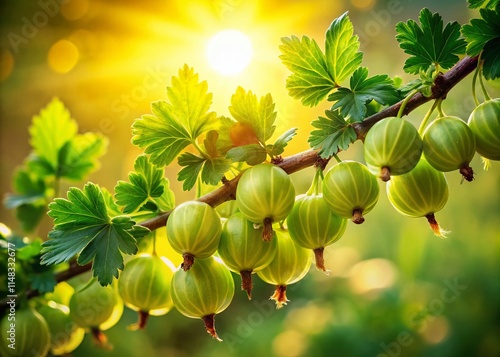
[[229, 52]]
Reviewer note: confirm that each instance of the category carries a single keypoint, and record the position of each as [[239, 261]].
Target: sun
[[229, 52]]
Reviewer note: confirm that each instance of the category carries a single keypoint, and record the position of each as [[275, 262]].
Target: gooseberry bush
[[251, 220]]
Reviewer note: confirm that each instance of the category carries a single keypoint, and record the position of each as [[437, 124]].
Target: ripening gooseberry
[[420, 193], [312, 225], [484, 121], [30, 334], [265, 194], [350, 190], [243, 250], [392, 147], [203, 291], [144, 286], [65, 334], [290, 264], [96, 308], [449, 144], [193, 230]]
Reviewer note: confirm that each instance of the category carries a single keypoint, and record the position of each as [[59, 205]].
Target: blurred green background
[[395, 289]]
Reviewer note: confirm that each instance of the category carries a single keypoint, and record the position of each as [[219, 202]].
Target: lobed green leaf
[[175, 125], [259, 114], [50, 131], [353, 102], [341, 49], [310, 80], [83, 227], [332, 134], [145, 184], [430, 43]]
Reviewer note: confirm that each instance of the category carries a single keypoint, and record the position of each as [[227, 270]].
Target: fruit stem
[[246, 282], [100, 339], [357, 216], [385, 174], [467, 172], [315, 187], [481, 82], [279, 296], [405, 101], [425, 121], [154, 244], [320, 260], [209, 321], [267, 231], [339, 160], [141, 323], [438, 231], [188, 261], [474, 80]]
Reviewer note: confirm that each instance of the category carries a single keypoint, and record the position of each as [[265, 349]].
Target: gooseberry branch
[[442, 85]]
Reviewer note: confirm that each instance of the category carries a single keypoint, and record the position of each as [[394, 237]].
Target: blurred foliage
[[395, 289]]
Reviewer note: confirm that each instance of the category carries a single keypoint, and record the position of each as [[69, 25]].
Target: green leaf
[[79, 157], [43, 281], [145, 184], [83, 227], [252, 154], [341, 49], [333, 134], [310, 80], [353, 102], [211, 169], [166, 201], [191, 102], [30, 215], [175, 125], [259, 114], [491, 58], [429, 43], [480, 31], [50, 131], [279, 145], [28, 187], [487, 4], [224, 142], [29, 251], [192, 166]]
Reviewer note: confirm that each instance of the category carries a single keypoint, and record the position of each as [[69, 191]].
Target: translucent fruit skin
[[66, 336], [349, 185], [32, 335], [205, 289], [241, 246], [291, 263], [94, 305], [393, 143], [420, 192], [449, 144], [265, 191], [312, 224], [194, 227], [484, 121], [145, 284]]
